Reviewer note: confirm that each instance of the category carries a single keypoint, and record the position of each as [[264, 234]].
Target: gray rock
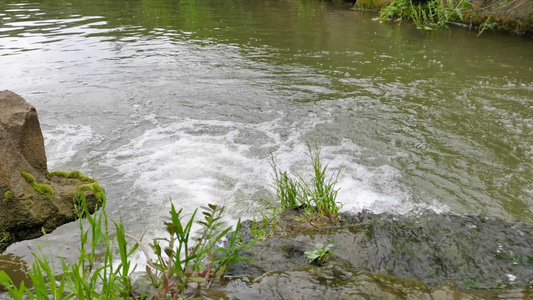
[[24, 212]]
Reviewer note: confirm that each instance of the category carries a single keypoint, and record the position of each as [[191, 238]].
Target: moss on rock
[[7, 195], [5, 240], [94, 187], [41, 188], [72, 175]]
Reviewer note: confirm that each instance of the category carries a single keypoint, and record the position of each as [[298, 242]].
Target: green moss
[[92, 184], [41, 188], [71, 175], [5, 240], [29, 178], [95, 188], [8, 195]]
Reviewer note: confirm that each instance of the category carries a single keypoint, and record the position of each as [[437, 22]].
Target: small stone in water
[[511, 277], [346, 74]]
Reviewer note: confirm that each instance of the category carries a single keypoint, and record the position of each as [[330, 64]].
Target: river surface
[[183, 101]]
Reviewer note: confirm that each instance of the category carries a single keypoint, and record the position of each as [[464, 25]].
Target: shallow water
[[183, 101]]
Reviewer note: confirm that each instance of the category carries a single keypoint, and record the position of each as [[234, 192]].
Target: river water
[[183, 101]]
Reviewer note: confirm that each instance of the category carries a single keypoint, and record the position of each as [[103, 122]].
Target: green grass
[[186, 260], [323, 192], [432, 15], [436, 14], [290, 192], [183, 259], [41, 188], [262, 229], [317, 196]]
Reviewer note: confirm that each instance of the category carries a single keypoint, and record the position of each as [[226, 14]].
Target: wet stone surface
[[473, 252]]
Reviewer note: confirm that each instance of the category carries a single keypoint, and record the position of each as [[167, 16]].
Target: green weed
[[96, 276], [317, 196], [261, 229], [290, 192], [184, 260], [320, 254], [428, 16]]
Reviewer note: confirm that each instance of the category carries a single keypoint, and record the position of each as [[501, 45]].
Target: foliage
[[429, 15], [264, 228], [41, 188], [290, 192], [317, 196], [184, 261], [92, 276], [322, 192], [96, 276], [320, 254]]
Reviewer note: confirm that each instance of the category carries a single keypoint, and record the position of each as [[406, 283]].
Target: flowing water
[[183, 101]]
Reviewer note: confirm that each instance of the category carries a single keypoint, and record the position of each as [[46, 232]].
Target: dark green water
[[186, 99]]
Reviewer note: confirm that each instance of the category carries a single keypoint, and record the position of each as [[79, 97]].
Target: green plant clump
[[428, 15], [318, 195], [320, 254], [182, 260], [264, 228], [185, 261], [8, 195], [41, 188]]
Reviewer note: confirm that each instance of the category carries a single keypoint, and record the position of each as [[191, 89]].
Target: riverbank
[[515, 17], [386, 256]]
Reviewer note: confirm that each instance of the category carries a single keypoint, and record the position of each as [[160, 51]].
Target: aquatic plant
[[317, 196], [185, 261], [320, 254], [41, 188], [435, 14], [290, 192], [322, 191]]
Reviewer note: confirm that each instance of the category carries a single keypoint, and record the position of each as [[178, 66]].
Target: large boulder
[[26, 209]]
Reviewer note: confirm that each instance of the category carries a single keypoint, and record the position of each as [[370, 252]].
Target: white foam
[[196, 162], [184, 162], [64, 141]]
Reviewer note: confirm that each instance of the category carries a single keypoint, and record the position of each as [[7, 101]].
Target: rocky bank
[[29, 207], [423, 255]]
